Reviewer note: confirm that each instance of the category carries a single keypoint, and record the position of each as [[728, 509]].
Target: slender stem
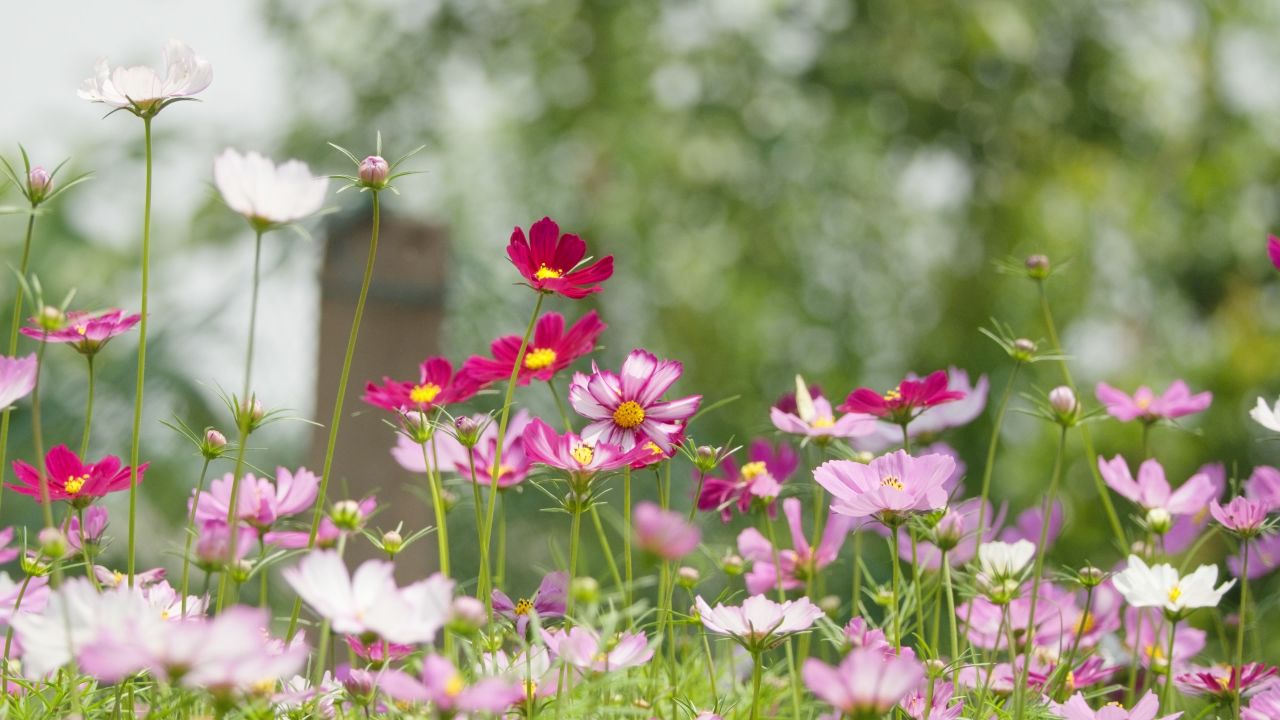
[[575, 532], [697, 493], [253, 314], [486, 580], [626, 533], [142, 359], [191, 534], [1166, 698], [897, 581], [88, 413], [906, 439], [14, 324], [755, 685], [951, 613], [441, 510], [37, 434], [500, 572], [1244, 606], [915, 581], [88, 554], [711, 667], [233, 506], [604, 547], [8, 635], [1064, 668], [989, 467], [262, 574], [782, 598], [857, 572], [322, 498]]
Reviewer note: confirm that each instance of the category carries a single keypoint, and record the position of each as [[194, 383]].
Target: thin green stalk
[[442, 512], [915, 581], [486, 580], [191, 534], [782, 597], [323, 495], [142, 359], [500, 573], [14, 324], [1244, 606], [88, 413], [1166, 695], [906, 439], [755, 685], [1146, 440], [989, 467], [8, 635], [37, 433], [951, 614], [88, 555], [897, 582], [575, 532], [697, 493], [1064, 668], [857, 572], [604, 547], [233, 515], [253, 314], [626, 533]]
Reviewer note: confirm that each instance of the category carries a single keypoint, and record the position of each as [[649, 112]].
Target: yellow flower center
[[80, 329], [1143, 402], [1175, 592], [629, 414], [546, 273], [265, 686], [1087, 623], [753, 470], [892, 482], [1071, 680], [75, 484], [455, 686], [524, 606], [825, 421], [424, 393], [539, 358], [652, 447], [894, 394], [1154, 653], [1223, 682], [117, 577], [584, 454], [530, 688], [1114, 703]]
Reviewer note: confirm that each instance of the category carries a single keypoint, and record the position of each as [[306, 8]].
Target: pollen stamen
[[628, 415]]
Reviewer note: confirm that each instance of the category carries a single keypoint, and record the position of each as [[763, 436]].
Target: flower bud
[[883, 596], [829, 605], [33, 564], [1063, 401], [449, 499], [949, 530], [392, 542], [1037, 267], [374, 172], [53, 544], [935, 668], [732, 564], [585, 590], [240, 571], [688, 576], [346, 515], [707, 458], [468, 612], [50, 318], [417, 427], [249, 415], [39, 183], [467, 431], [213, 444], [1023, 349], [1159, 521], [1090, 576], [864, 456], [359, 683]]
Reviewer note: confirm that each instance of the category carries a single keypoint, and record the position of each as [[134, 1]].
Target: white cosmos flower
[[142, 88], [1001, 560], [759, 623], [1159, 586], [266, 194], [1267, 417]]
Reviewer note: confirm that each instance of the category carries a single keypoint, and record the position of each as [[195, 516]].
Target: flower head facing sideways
[[1159, 586], [866, 683], [905, 402], [761, 477], [444, 687], [437, 386], [144, 91], [759, 623], [1077, 708], [1222, 681], [1242, 516], [626, 409], [798, 564], [266, 194], [548, 602], [664, 533], [1175, 402], [86, 332], [1151, 491], [71, 479], [809, 414], [551, 349], [581, 457], [887, 488], [947, 415], [17, 378], [260, 501], [553, 263], [1263, 706], [1267, 416], [583, 649]]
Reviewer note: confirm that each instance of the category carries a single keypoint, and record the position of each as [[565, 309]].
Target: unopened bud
[[240, 571], [50, 318], [883, 596], [346, 515], [392, 542], [374, 172], [1037, 267], [466, 615], [706, 458], [467, 431], [829, 605], [33, 564], [359, 683], [53, 544], [213, 444], [864, 456], [732, 564], [1024, 349], [249, 414], [1090, 576], [39, 183], [935, 667], [949, 530], [417, 427], [688, 576], [1063, 401], [449, 499], [585, 590], [1159, 521]]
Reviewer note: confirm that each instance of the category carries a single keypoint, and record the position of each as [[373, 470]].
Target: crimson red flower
[[905, 402], [550, 261], [71, 479], [437, 386], [551, 350]]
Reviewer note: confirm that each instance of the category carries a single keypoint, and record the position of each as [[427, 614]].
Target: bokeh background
[[804, 186]]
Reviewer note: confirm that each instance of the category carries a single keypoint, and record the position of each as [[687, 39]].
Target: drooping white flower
[[1159, 586], [142, 89], [1267, 417], [1001, 560], [267, 194]]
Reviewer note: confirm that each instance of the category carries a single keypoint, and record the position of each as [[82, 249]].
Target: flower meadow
[[980, 611]]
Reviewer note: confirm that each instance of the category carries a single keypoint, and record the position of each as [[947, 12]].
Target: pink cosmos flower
[[577, 455], [1264, 485], [759, 623], [1273, 250], [95, 524], [904, 403], [17, 378], [1146, 635], [887, 487], [1242, 516], [1056, 614], [444, 687], [553, 263], [7, 553], [761, 477], [531, 668], [445, 450], [1266, 704], [809, 414], [72, 480], [548, 602], [664, 533], [799, 563], [326, 535], [437, 386], [626, 409], [1151, 490], [213, 544], [1077, 708], [1264, 557], [1148, 407], [142, 89], [379, 653], [551, 349], [260, 502], [86, 332], [861, 635], [1224, 681], [943, 417], [916, 703], [582, 648], [865, 683]]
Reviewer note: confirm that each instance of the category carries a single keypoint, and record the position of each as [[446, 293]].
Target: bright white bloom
[[143, 89], [1159, 586], [759, 623], [1001, 560], [1267, 417], [266, 194], [368, 601]]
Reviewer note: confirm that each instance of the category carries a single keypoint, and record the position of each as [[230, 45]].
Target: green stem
[[253, 314], [951, 613], [604, 547], [88, 414], [1146, 440], [1166, 698], [88, 555], [322, 497], [626, 533], [442, 512], [142, 359], [755, 685], [191, 534], [575, 532], [37, 435], [233, 515], [1244, 606], [906, 439], [915, 581], [14, 324], [989, 468], [1064, 668], [857, 572], [486, 580], [8, 635], [782, 598], [897, 581]]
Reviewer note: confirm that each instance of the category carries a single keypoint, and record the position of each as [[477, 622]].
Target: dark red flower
[[70, 479], [550, 261], [437, 386], [902, 404], [551, 349]]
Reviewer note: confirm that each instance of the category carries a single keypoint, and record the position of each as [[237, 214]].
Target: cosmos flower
[[759, 623], [74, 616], [1273, 250], [1001, 560], [450, 455], [1159, 586], [144, 91], [268, 195], [626, 409], [95, 524], [865, 683], [71, 479], [260, 502], [1267, 416], [1145, 405], [1224, 681], [553, 263], [582, 457], [1077, 708], [550, 350], [1266, 704], [582, 648], [547, 603], [17, 378], [801, 562], [1243, 516], [943, 417], [1151, 491], [444, 687], [808, 413], [888, 487], [86, 332], [664, 533], [904, 403], [437, 386], [326, 535], [916, 702], [766, 469]]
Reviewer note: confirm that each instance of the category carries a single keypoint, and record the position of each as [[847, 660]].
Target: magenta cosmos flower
[[17, 378], [552, 263], [581, 457], [548, 602], [865, 683], [1273, 250], [767, 468], [1242, 516], [1151, 491], [437, 386], [1148, 407], [663, 532], [801, 562], [260, 501], [948, 415], [86, 332], [550, 350], [1223, 681], [444, 687], [72, 480], [759, 623], [808, 413], [1077, 708], [905, 402], [888, 487], [626, 409]]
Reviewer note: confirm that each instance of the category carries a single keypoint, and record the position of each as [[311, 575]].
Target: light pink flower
[[17, 378], [664, 533], [1148, 407], [443, 686], [1151, 490], [1077, 708], [579, 455], [888, 487], [813, 417], [626, 409], [1146, 635], [759, 623], [766, 470], [1242, 516], [144, 91], [865, 683], [583, 649], [260, 502], [547, 603], [799, 563]]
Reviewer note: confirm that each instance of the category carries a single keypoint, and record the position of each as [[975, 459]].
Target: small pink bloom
[[1224, 681], [550, 350], [904, 403], [1077, 708], [374, 171], [552, 263], [1264, 706], [800, 563], [17, 378], [1273, 250], [809, 414], [887, 487], [664, 533], [1151, 490], [1264, 557], [443, 686], [582, 456], [759, 623], [1147, 636], [86, 332], [582, 648], [260, 502], [736, 487], [1264, 485], [95, 524], [1148, 407], [1242, 516], [865, 683], [379, 653], [626, 409]]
